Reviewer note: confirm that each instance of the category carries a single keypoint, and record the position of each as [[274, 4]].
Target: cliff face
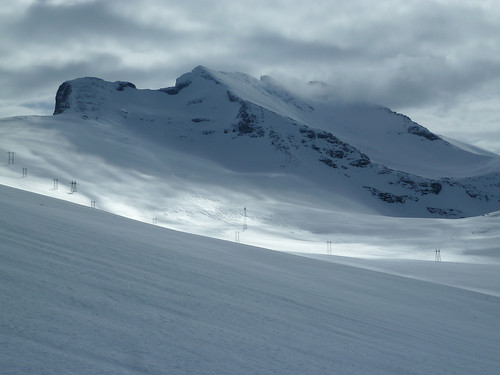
[[85, 94], [63, 96]]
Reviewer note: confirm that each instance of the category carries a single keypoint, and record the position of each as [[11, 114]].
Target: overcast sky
[[435, 61]]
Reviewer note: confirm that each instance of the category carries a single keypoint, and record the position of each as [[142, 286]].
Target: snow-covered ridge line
[[369, 152]]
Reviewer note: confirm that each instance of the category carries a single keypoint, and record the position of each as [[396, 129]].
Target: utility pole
[[245, 226], [437, 257], [10, 157]]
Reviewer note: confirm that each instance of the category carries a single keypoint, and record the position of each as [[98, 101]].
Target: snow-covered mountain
[[229, 156], [363, 153], [194, 155]]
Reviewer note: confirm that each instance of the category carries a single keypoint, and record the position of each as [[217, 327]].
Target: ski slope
[[84, 291]]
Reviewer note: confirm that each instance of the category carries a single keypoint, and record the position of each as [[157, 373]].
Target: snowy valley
[[194, 156], [356, 198]]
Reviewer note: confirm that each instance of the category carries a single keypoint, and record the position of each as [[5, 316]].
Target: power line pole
[[245, 226], [10, 157], [437, 257]]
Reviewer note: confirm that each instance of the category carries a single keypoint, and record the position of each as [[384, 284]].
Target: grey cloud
[[50, 23], [409, 55], [64, 34], [273, 48], [37, 87]]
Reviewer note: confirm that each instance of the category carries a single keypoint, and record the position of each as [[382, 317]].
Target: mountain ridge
[[272, 118]]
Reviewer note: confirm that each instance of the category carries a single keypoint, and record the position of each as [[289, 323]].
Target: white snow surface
[[84, 291], [136, 178]]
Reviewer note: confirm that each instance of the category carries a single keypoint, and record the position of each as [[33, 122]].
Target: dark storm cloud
[[49, 23], [44, 76]]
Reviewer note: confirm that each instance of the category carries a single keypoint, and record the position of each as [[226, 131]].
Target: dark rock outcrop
[[63, 98], [120, 85], [422, 132], [176, 89]]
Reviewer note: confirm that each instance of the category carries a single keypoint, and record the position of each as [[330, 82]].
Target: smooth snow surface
[[88, 292], [356, 198]]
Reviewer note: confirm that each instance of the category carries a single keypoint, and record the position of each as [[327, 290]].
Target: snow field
[[84, 291], [144, 181]]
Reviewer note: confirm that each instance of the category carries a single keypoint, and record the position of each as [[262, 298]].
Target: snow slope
[[138, 179], [388, 138], [84, 291]]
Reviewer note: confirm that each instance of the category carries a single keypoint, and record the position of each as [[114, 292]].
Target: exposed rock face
[[176, 89], [447, 212], [248, 122], [63, 98], [120, 85], [422, 132], [84, 93], [331, 147], [389, 197]]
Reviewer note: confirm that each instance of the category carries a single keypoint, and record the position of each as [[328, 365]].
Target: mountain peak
[[223, 101], [201, 69], [202, 72], [187, 78], [78, 94]]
